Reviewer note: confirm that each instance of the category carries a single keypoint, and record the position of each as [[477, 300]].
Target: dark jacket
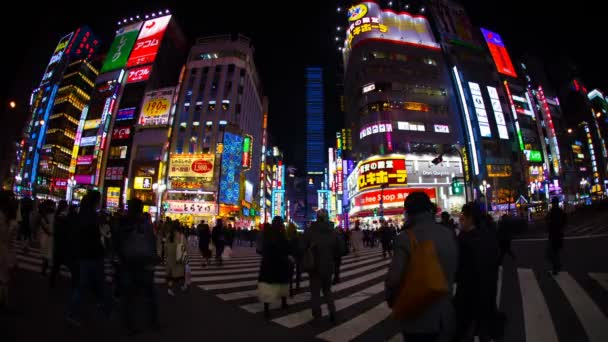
[[437, 317], [204, 235], [274, 268], [64, 238], [477, 272], [218, 236], [321, 235], [89, 236], [556, 221]]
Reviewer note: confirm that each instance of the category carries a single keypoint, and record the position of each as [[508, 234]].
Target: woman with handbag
[[273, 281], [175, 251]]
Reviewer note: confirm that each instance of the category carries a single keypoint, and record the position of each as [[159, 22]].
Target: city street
[[222, 302]]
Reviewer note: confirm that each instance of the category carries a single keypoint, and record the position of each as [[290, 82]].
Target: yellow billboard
[[192, 165]]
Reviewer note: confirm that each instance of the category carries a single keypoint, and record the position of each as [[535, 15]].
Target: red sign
[[499, 53], [202, 166], [115, 173], [139, 74], [61, 183], [372, 198], [149, 39], [121, 133], [84, 160]]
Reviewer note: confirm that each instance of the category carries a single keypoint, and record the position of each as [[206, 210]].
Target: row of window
[[382, 106], [394, 56]]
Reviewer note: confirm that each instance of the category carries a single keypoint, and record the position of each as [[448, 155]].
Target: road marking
[[601, 278], [397, 338], [304, 297], [565, 238], [591, 317], [298, 318], [537, 319], [499, 286], [349, 330]]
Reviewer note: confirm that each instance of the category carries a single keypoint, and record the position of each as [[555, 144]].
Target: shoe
[[171, 293]]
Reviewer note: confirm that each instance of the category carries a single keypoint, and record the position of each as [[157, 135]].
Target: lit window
[[225, 104], [195, 123], [211, 106]]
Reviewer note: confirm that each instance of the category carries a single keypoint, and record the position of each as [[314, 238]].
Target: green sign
[[533, 155], [457, 187], [121, 47]]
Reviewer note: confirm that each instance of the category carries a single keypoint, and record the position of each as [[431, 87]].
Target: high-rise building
[[218, 133], [402, 111], [124, 138], [56, 108], [315, 137]]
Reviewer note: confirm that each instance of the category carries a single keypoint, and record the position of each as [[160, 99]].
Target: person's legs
[[58, 261], [329, 297], [315, 296], [337, 264], [127, 285], [147, 283]]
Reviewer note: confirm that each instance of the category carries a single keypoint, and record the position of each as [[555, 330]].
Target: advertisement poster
[[148, 41], [120, 48], [156, 107], [192, 166]]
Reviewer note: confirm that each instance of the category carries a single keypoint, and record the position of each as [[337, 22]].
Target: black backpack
[[138, 246]]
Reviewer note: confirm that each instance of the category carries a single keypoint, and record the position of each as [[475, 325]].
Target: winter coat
[[46, 236], [89, 237], [356, 240], [438, 317], [8, 257], [175, 269], [556, 221], [275, 261], [321, 235]]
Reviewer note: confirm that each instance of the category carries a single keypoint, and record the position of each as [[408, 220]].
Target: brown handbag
[[424, 281]]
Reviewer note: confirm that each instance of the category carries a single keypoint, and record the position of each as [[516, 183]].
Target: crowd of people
[[83, 238]]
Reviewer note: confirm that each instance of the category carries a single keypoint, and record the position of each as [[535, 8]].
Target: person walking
[[136, 246], [273, 281], [477, 276], [294, 250], [47, 215], [320, 244], [204, 238], [556, 221], [342, 251], [218, 236], [8, 256], [175, 251], [434, 321], [63, 239]]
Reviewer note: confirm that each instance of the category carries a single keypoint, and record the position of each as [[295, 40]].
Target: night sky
[[289, 38]]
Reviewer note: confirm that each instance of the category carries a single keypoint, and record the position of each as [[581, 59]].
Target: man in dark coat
[[556, 221], [204, 237]]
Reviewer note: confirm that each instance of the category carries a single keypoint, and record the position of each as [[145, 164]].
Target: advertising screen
[[192, 165], [142, 183], [113, 196], [499, 53], [121, 133], [149, 39], [56, 57], [84, 160], [480, 110], [156, 107], [368, 21], [88, 141], [378, 171], [232, 156], [498, 114], [121, 47], [115, 173], [247, 151], [139, 74], [178, 184], [125, 114]]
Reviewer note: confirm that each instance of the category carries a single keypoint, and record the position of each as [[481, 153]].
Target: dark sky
[[288, 38]]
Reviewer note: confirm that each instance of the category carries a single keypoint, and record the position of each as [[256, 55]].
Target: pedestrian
[[26, 205], [505, 236], [273, 281], [386, 238], [296, 254], [218, 236], [434, 321], [342, 251], [8, 256], [204, 238], [63, 248], [47, 215], [477, 276], [91, 258], [556, 221], [175, 251], [320, 248], [136, 246], [356, 239]]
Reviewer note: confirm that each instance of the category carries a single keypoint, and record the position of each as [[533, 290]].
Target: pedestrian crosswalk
[[540, 302]]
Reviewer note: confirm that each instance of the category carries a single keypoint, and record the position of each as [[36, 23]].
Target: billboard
[[480, 110], [121, 133], [56, 57], [368, 21], [125, 114], [499, 53], [139, 74], [142, 183], [113, 197], [149, 39], [121, 47], [378, 171], [192, 165], [156, 107], [247, 151], [230, 185], [498, 114], [192, 207], [115, 173]]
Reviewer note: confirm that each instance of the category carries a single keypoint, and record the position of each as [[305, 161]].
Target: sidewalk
[[191, 316]]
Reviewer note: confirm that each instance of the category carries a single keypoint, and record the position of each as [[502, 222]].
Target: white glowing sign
[[369, 87], [498, 114], [442, 129], [480, 110]]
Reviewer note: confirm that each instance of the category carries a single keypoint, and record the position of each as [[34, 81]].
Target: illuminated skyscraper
[[56, 109], [315, 128]]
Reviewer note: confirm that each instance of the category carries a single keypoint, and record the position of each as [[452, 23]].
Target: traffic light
[[457, 187], [375, 211]]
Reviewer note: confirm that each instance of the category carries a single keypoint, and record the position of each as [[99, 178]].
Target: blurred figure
[[342, 251], [47, 216], [273, 280], [136, 245], [356, 239], [293, 239], [320, 243], [477, 275], [556, 221], [505, 236], [8, 256], [25, 208], [175, 250], [204, 238], [219, 240], [64, 244], [434, 322]]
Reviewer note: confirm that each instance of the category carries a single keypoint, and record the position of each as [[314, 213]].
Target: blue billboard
[[232, 158]]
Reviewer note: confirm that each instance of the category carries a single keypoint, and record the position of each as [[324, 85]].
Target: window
[[231, 68], [211, 106], [410, 126], [225, 105], [205, 71], [218, 69], [199, 106], [193, 71], [148, 153], [430, 61], [118, 152]]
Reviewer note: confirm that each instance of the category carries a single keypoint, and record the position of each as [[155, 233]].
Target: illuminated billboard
[[125, 114], [377, 171], [156, 107], [56, 57], [480, 110], [121, 47], [149, 39], [191, 207], [192, 165], [142, 183], [139, 74], [232, 158], [499, 53], [113, 197], [498, 114], [372, 198], [368, 21], [247, 151]]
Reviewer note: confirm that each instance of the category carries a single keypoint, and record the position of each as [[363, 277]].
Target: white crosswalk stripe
[[362, 285]]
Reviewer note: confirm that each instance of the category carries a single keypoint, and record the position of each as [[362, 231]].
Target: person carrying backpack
[[136, 246], [421, 302]]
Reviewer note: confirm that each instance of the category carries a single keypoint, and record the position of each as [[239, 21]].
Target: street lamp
[[483, 187], [70, 193], [158, 188]]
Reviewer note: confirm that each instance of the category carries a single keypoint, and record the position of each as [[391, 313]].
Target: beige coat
[[175, 269]]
